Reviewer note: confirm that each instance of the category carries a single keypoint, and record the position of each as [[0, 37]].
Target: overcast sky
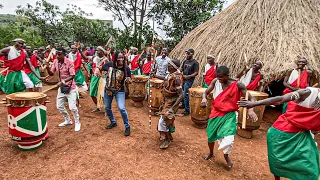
[[9, 6]]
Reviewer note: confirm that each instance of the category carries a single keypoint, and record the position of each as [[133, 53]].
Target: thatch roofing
[[276, 31]]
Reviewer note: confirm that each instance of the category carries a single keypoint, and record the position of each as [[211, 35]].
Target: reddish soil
[[95, 153]]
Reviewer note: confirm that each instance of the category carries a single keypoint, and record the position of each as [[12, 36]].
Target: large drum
[[199, 115], [137, 90], [259, 110], [27, 119], [156, 96]]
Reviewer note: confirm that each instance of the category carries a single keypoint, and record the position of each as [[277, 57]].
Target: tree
[[133, 14], [68, 26], [184, 15]]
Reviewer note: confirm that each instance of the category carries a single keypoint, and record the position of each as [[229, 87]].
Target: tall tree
[[131, 13], [178, 17]]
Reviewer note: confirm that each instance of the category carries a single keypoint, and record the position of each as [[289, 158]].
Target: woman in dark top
[[117, 74]]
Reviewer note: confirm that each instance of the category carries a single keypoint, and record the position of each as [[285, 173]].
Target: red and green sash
[[34, 62], [298, 119], [77, 63], [210, 75], [146, 68], [226, 101], [134, 63], [16, 64], [254, 84], [303, 82]]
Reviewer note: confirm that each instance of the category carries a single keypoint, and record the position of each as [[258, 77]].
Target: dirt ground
[[95, 153]]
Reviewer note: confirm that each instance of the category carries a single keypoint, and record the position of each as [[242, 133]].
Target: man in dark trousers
[[189, 69]]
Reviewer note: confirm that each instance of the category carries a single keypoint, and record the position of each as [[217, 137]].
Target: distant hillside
[[5, 19]]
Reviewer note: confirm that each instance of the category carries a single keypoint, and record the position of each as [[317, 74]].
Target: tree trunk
[[135, 22], [143, 10]]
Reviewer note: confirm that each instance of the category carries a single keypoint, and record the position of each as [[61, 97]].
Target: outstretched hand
[[245, 103], [253, 116]]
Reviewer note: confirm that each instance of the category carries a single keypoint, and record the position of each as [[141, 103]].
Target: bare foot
[[165, 144], [228, 160], [208, 156]]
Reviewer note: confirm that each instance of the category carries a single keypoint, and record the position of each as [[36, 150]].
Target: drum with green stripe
[[27, 119]]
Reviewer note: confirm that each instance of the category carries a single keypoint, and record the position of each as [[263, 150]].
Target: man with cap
[[133, 61], [14, 79], [67, 88], [189, 69]]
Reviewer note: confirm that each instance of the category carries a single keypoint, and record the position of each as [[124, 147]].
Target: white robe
[[246, 78]]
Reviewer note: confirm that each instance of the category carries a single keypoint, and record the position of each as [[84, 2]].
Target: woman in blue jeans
[[117, 74]]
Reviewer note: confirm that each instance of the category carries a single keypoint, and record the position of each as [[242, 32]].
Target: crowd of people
[[292, 151]]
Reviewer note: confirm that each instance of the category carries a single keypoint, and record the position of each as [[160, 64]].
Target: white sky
[[9, 7]]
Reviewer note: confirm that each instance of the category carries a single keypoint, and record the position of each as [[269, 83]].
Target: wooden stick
[[244, 113], [55, 86], [299, 79], [4, 70], [245, 58], [218, 58], [315, 85]]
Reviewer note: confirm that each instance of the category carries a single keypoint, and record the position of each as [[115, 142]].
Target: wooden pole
[[4, 70], [244, 113], [298, 84]]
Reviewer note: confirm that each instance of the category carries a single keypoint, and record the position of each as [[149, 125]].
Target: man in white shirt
[[162, 63]]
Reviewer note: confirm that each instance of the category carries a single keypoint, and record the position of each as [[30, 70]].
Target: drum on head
[[27, 119]]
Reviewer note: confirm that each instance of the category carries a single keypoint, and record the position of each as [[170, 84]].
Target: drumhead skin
[[26, 95]]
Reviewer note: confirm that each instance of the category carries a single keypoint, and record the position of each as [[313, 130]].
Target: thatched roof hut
[[276, 31]]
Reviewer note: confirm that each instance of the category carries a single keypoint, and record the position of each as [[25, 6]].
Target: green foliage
[[12, 31], [184, 15], [69, 26]]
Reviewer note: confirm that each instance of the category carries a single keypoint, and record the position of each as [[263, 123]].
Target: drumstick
[[218, 58], [315, 85], [4, 70], [299, 79], [244, 113], [48, 58], [55, 86]]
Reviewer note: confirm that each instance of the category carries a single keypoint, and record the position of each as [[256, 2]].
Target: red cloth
[[2, 58], [77, 63], [210, 75], [226, 101], [16, 64], [303, 82], [134, 63], [34, 62], [298, 119], [254, 84], [146, 68], [53, 57]]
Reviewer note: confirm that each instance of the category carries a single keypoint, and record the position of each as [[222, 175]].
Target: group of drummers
[[111, 70]]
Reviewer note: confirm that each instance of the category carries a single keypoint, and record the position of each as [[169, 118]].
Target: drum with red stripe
[[27, 118]]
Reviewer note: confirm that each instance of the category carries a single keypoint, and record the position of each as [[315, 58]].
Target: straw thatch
[[277, 31]]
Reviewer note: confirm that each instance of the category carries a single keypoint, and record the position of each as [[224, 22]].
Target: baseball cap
[[190, 51]]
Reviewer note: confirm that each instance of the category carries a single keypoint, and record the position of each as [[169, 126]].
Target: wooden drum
[[157, 97], [137, 90], [259, 110], [199, 115], [27, 119], [52, 79]]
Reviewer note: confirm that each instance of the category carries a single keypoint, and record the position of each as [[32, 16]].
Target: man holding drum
[[67, 88], [117, 74], [222, 123]]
